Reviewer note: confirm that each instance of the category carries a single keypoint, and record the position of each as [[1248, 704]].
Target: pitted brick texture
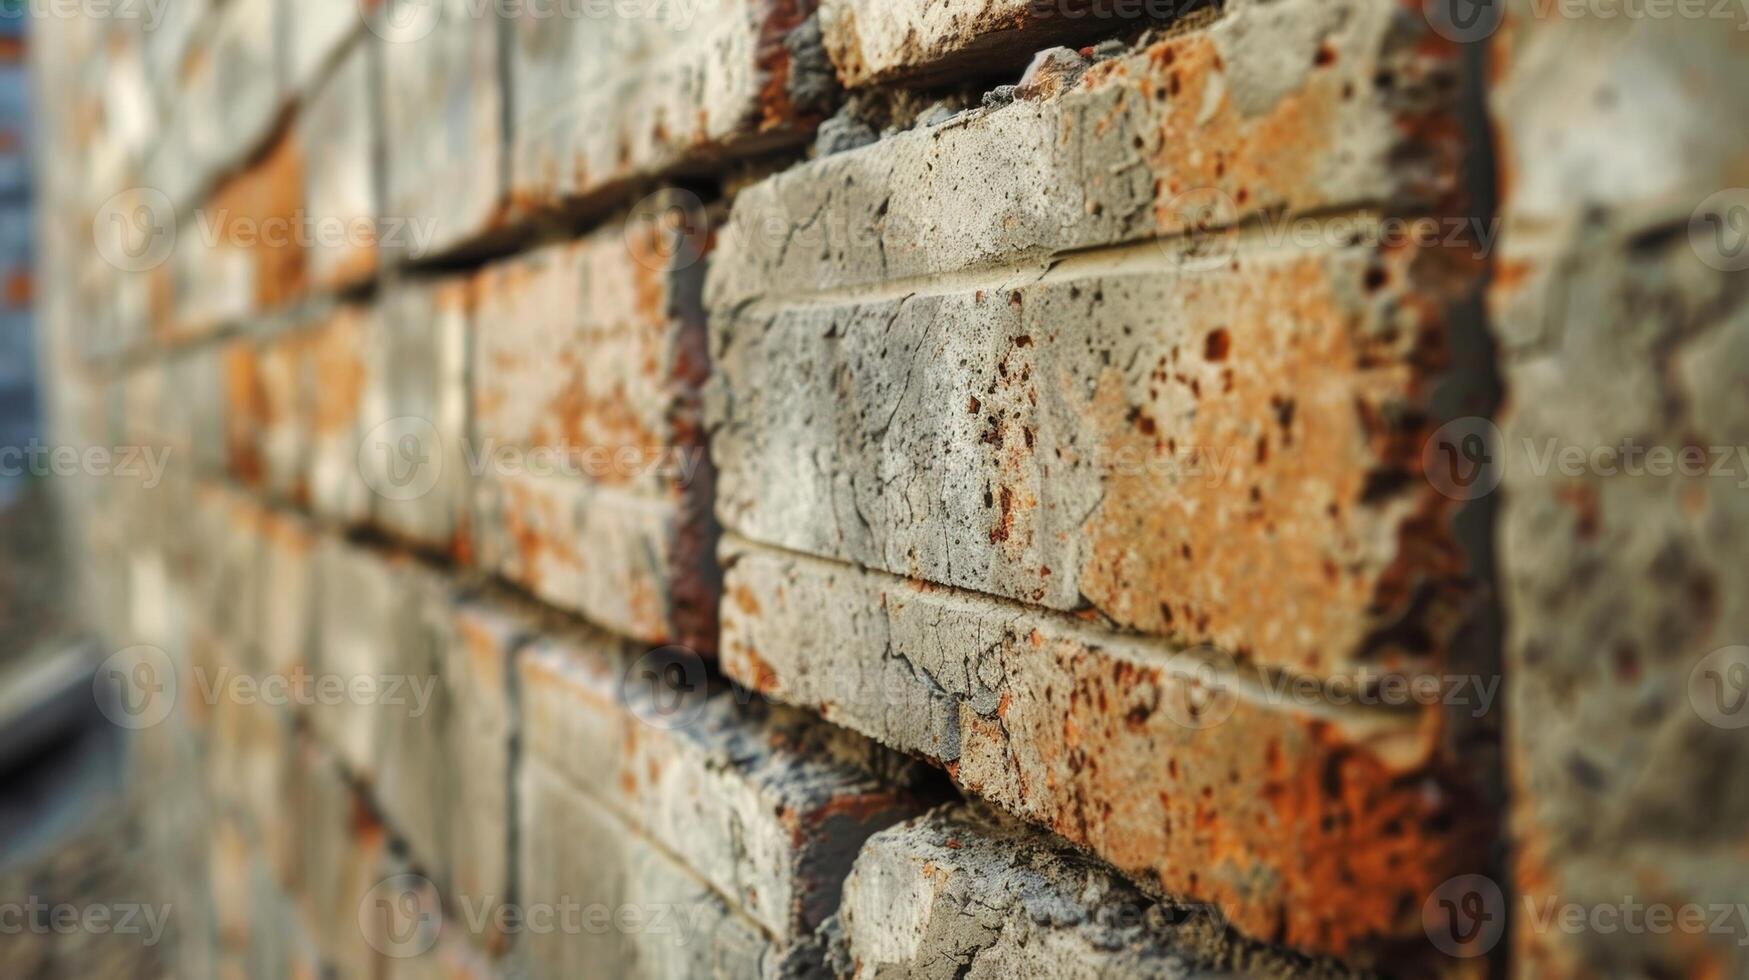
[[1255, 807], [1219, 455], [964, 892], [757, 800]]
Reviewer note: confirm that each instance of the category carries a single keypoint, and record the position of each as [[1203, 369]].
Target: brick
[[964, 890], [1228, 456], [597, 493], [281, 442], [760, 802], [415, 421], [231, 88], [1276, 108], [665, 88], [313, 37], [337, 135], [1618, 582], [576, 856], [443, 131], [919, 41], [286, 578], [1320, 830], [339, 375], [341, 853], [485, 723], [238, 255]]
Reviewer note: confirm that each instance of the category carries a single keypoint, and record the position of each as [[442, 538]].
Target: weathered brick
[[340, 852], [339, 373], [758, 801], [923, 41], [484, 724], [1298, 107], [414, 428], [581, 863], [281, 441], [286, 580], [1225, 456], [443, 111], [596, 495], [231, 87], [313, 35], [964, 891], [337, 136], [237, 255], [622, 93], [1320, 829], [1624, 325]]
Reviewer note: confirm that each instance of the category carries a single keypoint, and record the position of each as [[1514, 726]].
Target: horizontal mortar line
[[1249, 682], [1157, 254], [621, 816]]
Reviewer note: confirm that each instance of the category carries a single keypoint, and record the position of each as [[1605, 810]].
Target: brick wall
[[929, 487]]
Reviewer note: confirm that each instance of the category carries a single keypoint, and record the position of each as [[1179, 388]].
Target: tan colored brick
[[763, 804], [668, 87], [443, 132], [963, 891], [1303, 108], [922, 41], [1227, 456], [337, 135], [597, 490], [1317, 827]]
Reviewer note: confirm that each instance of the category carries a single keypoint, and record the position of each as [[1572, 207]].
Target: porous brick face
[[800, 488]]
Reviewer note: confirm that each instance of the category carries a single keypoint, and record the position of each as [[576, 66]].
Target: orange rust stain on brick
[[776, 18], [1270, 551], [246, 414], [746, 600], [1299, 835], [337, 358]]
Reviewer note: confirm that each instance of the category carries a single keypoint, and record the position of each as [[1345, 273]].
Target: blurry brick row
[[1621, 311]]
